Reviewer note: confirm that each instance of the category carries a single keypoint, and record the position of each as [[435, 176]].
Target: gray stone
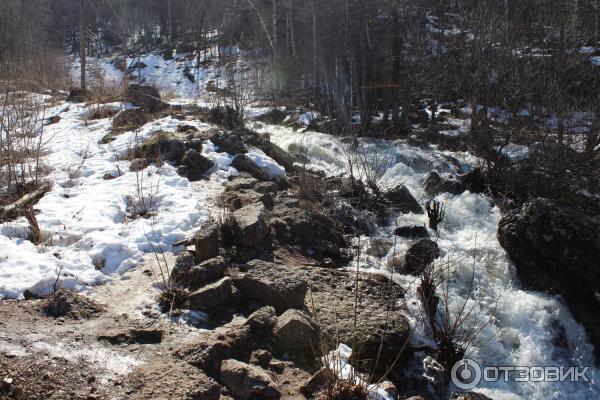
[[262, 319], [206, 243]]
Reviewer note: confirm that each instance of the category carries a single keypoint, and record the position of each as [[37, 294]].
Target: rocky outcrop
[[296, 331], [271, 285], [401, 199], [145, 97], [246, 381], [555, 248]]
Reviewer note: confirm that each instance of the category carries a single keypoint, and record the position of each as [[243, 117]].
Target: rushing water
[[515, 327]]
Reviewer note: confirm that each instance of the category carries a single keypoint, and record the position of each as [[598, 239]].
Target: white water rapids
[[515, 327]]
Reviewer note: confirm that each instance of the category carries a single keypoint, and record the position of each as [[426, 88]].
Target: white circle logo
[[466, 374]]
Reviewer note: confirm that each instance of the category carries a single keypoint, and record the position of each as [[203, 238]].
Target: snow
[[338, 361], [87, 222], [267, 164], [307, 117]]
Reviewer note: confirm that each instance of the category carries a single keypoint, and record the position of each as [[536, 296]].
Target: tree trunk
[[82, 42]]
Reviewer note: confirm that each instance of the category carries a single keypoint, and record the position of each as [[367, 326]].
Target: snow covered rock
[[243, 163], [246, 381]]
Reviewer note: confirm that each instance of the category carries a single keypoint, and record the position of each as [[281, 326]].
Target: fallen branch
[[26, 200]]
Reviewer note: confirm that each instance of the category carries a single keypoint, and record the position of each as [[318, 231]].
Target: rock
[[420, 255], [77, 95], [182, 381], [295, 330], [206, 243], [196, 165], [278, 154], [145, 97], [262, 319], [270, 285], [319, 235], [108, 177], [183, 128], [317, 382], [381, 317], [253, 228], [469, 396], [195, 276], [230, 143], [129, 120], [243, 163], [247, 381], [235, 200], [555, 248], [435, 184], [247, 182], [165, 146], [211, 296], [208, 352], [138, 164], [401, 199], [70, 305], [261, 358], [412, 232], [225, 116]]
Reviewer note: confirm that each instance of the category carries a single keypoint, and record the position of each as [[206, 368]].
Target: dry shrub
[[343, 390]]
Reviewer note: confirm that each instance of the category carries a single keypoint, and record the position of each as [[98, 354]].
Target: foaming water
[[514, 327]]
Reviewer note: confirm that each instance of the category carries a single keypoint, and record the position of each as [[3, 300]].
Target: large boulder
[[270, 284], [246, 381], [295, 330], [195, 165], [211, 296], [145, 97], [555, 248], [420, 255], [401, 199]]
